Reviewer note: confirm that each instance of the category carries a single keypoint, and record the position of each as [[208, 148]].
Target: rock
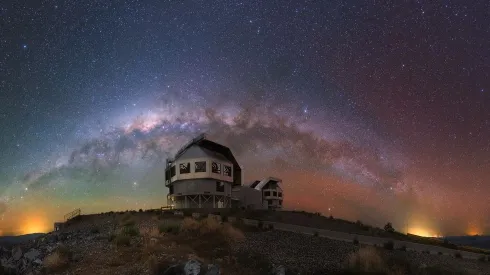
[[279, 270], [38, 262], [32, 254], [17, 253], [213, 270], [192, 267]]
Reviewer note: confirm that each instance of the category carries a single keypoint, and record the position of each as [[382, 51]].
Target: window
[[274, 194], [184, 168], [172, 171], [220, 186], [200, 166], [227, 170], [280, 194], [216, 168], [280, 202], [267, 193], [170, 189]]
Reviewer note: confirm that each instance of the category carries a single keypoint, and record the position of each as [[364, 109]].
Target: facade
[[202, 175], [265, 194], [271, 191]]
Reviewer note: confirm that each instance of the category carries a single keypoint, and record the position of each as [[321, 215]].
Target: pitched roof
[[263, 182]]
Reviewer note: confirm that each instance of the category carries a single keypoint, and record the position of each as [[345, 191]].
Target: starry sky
[[367, 110]]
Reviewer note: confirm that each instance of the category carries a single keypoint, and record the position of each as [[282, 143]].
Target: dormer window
[[185, 168]]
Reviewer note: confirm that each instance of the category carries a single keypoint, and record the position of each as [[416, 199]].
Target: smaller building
[[264, 194]]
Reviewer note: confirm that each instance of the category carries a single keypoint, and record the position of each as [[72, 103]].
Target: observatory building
[[202, 175]]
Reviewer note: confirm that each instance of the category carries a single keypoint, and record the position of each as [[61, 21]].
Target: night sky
[[369, 111]]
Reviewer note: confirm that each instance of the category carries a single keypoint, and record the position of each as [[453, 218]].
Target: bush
[[122, 239], [389, 245], [111, 237], [315, 234], [129, 222], [458, 255], [403, 248], [389, 228], [355, 241], [59, 259], [141, 210], [130, 231], [365, 260], [94, 230], [439, 253], [166, 227], [482, 259]]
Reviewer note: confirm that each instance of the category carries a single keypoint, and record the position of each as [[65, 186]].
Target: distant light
[[24, 46], [26, 188], [135, 183]]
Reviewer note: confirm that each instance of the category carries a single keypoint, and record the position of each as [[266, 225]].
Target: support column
[[200, 206]]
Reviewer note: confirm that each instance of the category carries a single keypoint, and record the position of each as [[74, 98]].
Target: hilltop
[[152, 242]]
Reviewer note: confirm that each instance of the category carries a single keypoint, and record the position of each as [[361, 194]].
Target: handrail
[[73, 214]]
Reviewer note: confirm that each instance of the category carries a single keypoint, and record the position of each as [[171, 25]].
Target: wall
[[249, 197], [199, 186]]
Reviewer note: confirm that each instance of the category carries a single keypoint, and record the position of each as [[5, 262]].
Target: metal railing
[[73, 214]]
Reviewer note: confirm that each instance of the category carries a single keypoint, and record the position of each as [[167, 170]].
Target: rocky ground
[[137, 243]]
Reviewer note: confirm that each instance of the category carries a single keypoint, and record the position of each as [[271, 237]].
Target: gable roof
[[263, 182], [254, 184]]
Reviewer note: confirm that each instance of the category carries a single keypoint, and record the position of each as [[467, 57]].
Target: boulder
[[16, 253], [32, 254], [193, 267]]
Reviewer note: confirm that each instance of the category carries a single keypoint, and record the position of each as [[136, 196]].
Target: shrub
[[439, 253], [482, 259], [315, 234], [458, 255], [403, 248], [331, 217], [129, 222], [59, 259], [141, 210], [166, 227], [130, 231], [94, 230], [389, 228], [122, 239], [365, 260], [389, 245], [355, 241], [111, 237]]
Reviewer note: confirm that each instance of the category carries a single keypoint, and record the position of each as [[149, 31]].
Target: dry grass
[[58, 260], [366, 259]]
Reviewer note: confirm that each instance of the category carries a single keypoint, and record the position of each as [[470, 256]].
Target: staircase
[[73, 214]]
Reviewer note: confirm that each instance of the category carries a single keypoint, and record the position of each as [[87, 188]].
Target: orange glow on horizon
[[423, 232], [34, 223]]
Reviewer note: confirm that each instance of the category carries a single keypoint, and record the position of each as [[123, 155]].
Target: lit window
[[185, 168], [200, 166]]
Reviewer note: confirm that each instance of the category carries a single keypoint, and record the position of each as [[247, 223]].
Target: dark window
[[200, 166], [216, 168], [184, 168], [227, 170], [274, 194], [280, 202], [267, 193], [220, 186], [170, 189], [280, 194], [172, 171], [269, 202]]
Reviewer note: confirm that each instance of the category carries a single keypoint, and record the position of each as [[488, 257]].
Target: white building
[[202, 175], [265, 194]]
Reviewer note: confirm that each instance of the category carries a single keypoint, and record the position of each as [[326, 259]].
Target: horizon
[[366, 112]]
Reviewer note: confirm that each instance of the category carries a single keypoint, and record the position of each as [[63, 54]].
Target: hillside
[[160, 243]]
